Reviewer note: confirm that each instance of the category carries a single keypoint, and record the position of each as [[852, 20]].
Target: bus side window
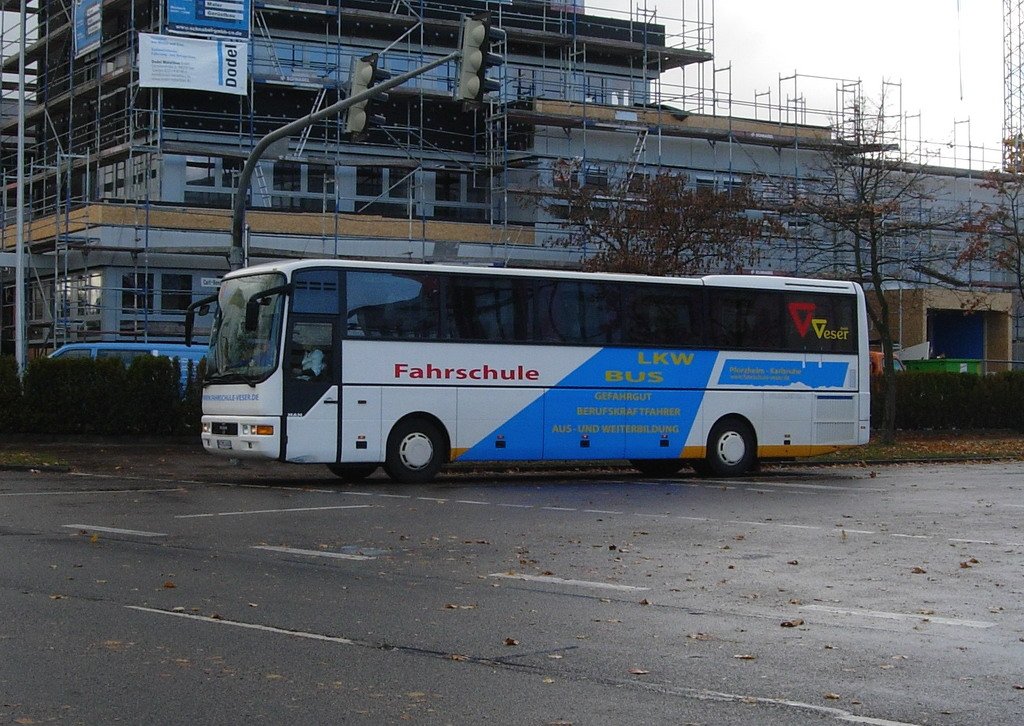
[[311, 352], [392, 305]]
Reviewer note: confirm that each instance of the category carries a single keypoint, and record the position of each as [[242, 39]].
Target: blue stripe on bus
[[742, 372], [621, 403]]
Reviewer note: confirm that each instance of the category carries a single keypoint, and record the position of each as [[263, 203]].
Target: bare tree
[[660, 225], [996, 232], [879, 216]]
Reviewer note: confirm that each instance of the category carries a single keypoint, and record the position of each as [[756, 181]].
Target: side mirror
[[203, 306], [252, 305], [252, 314]]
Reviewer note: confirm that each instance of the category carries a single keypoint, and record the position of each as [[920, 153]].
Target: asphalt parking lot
[[167, 592]]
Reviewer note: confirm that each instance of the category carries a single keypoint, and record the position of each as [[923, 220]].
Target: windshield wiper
[[233, 378]]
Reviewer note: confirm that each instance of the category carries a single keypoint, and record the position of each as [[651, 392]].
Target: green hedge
[[944, 401], [85, 396]]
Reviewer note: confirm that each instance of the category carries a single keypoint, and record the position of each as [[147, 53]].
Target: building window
[[136, 292], [175, 292], [447, 186], [288, 176], [369, 181], [398, 183]]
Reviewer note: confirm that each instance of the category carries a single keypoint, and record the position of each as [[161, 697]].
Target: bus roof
[[752, 281]]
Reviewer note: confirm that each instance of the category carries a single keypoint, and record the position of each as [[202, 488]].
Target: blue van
[[127, 351]]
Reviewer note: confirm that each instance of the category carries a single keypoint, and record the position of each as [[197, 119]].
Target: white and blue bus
[[410, 366]]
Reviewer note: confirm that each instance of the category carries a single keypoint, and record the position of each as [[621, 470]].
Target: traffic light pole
[[235, 254]]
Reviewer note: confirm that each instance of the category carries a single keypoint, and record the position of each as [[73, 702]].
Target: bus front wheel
[[732, 448], [415, 451], [352, 472]]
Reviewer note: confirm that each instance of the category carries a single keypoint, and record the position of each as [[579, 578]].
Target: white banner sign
[[221, 66]]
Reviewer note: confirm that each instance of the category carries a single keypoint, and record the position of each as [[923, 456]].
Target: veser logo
[[804, 320], [801, 312]]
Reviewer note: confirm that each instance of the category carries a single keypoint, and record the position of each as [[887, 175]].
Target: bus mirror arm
[[252, 306], [203, 306]]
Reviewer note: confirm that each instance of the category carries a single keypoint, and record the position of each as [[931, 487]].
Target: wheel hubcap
[[416, 451], [731, 448]]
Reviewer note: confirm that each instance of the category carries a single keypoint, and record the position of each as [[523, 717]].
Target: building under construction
[[129, 184]]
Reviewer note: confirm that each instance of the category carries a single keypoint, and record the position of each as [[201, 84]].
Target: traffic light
[[364, 75], [477, 38]]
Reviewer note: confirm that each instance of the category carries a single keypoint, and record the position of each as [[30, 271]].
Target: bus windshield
[[237, 354]]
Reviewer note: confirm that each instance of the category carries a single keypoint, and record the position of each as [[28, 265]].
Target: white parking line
[[972, 541], [88, 491], [250, 626], [113, 530], [562, 581], [313, 553], [268, 511], [838, 714], [898, 616]]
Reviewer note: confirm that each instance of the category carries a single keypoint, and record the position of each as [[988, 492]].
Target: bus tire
[[657, 467], [732, 448], [352, 472], [415, 451]]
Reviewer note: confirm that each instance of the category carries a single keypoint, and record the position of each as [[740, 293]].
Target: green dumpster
[[945, 365]]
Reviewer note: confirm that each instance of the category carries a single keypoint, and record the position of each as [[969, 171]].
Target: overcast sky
[[948, 59]]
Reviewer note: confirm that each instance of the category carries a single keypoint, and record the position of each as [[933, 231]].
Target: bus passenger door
[[312, 369]]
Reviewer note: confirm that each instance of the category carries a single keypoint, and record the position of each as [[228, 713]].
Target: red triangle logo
[[802, 312]]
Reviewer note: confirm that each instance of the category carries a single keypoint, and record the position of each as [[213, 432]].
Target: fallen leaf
[[792, 623], [638, 671], [168, 585], [556, 657], [453, 606], [458, 657], [548, 680], [832, 696], [511, 641], [745, 656], [1019, 686], [645, 601], [56, 597], [699, 636], [918, 570], [94, 539], [416, 694], [965, 565], [793, 562]]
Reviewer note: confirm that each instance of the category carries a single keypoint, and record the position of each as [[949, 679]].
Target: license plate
[[223, 444]]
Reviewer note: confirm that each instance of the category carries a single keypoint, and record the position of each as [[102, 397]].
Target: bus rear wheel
[[415, 451], [352, 472], [657, 467], [732, 448]]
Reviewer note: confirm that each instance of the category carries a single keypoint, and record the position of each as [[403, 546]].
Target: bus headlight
[[206, 427], [257, 430]]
